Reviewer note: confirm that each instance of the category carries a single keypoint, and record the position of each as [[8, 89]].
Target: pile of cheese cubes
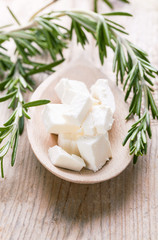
[[82, 122]]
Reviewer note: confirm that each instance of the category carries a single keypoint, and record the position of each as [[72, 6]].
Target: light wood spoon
[[40, 140]]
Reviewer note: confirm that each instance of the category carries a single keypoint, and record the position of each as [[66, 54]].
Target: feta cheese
[[98, 121], [94, 150], [54, 121], [67, 89], [102, 118], [79, 159], [88, 125], [80, 106], [101, 91], [68, 142], [81, 122], [60, 87], [60, 158]]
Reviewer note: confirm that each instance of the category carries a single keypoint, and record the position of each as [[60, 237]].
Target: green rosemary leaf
[[127, 137], [106, 33], [139, 101], [95, 6], [117, 50], [149, 131], [25, 114], [152, 103], [81, 37], [4, 149], [2, 129], [87, 23], [45, 67], [143, 136], [21, 124], [117, 29], [108, 3], [135, 158], [49, 42], [118, 14], [5, 26], [114, 23], [13, 15], [5, 134], [15, 148], [2, 84], [2, 172], [11, 118], [22, 52], [8, 96], [36, 103]]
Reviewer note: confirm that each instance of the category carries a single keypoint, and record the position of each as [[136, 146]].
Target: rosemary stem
[[41, 9], [25, 27], [130, 50], [89, 13], [34, 23]]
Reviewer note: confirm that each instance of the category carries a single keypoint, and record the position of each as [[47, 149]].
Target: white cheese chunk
[[62, 159], [81, 122], [68, 142], [79, 159], [54, 121], [60, 87], [94, 150], [101, 91], [98, 121], [80, 106], [67, 89], [88, 125], [102, 118]]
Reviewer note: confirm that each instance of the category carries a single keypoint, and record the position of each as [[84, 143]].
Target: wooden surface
[[34, 204]]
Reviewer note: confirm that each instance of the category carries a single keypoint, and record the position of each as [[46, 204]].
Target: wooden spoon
[[40, 140]]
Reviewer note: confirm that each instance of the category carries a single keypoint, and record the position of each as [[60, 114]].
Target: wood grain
[[34, 204]]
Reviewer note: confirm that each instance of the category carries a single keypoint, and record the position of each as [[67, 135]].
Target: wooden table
[[34, 204]]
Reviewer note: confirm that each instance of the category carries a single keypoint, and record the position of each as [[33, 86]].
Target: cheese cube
[[62, 159], [68, 142], [54, 121], [102, 118], [60, 87], [101, 91], [98, 121], [94, 150], [79, 159], [67, 89], [88, 125], [80, 106]]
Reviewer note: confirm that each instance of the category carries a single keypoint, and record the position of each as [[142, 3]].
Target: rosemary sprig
[[44, 34], [16, 83], [132, 64]]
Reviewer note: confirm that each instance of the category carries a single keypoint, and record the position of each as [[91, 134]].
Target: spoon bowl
[[40, 140]]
